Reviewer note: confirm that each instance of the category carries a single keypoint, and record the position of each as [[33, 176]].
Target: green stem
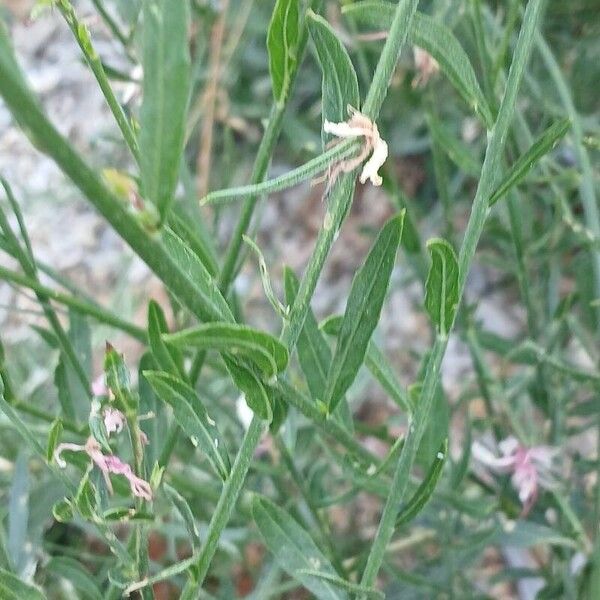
[[84, 41], [147, 245], [586, 187], [110, 23], [226, 504], [261, 164], [285, 181], [81, 306], [27, 262], [489, 175]]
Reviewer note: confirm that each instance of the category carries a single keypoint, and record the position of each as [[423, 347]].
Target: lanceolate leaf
[[195, 272], [377, 364], [252, 388], [265, 351], [282, 43], [314, 353], [166, 91], [191, 415], [167, 358], [365, 301], [183, 508], [53, 438], [118, 380], [441, 288], [546, 142], [435, 38], [340, 85], [424, 492], [294, 550]]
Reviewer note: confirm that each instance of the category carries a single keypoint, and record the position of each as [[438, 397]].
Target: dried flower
[[359, 125], [107, 463], [530, 466], [114, 420], [426, 67]]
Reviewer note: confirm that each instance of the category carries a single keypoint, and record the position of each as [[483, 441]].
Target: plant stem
[[489, 175], [82, 306], [110, 23], [226, 504], [27, 262], [93, 60], [147, 245], [586, 186], [343, 192]]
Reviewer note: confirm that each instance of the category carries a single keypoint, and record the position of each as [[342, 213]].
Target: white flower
[[360, 125], [530, 466]]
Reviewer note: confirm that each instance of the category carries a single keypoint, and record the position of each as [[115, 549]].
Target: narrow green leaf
[[365, 301], [184, 510], [251, 386], [340, 84], [70, 569], [435, 38], [294, 550], [191, 415], [262, 349], [198, 276], [314, 353], [441, 288], [377, 364], [118, 380], [12, 588], [546, 142], [189, 229], [282, 42], [62, 387], [166, 90], [424, 492], [149, 404], [167, 358], [274, 301], [85, 498], [53, 438]]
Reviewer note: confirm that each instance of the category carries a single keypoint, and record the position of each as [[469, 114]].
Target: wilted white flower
[[114, 420], [530, 466], [426, 67], [359, 125]]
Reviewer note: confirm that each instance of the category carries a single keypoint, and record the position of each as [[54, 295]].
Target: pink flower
[[114, 420], [530, 467], [107, 463], [99, 387]]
